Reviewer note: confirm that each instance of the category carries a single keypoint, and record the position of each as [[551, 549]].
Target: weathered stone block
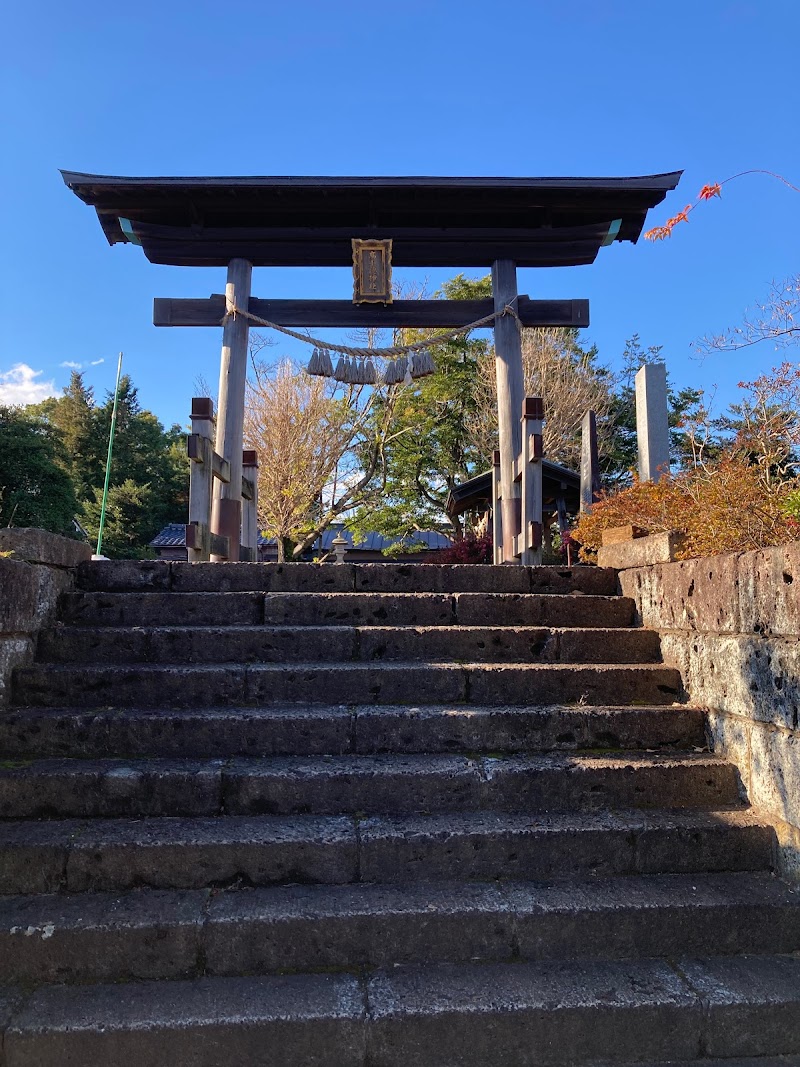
[[20, 588], [775, 772], [305, 927], [411, 578], [124, 575], [753, 1004], [40, 546], [729, 736], [788, 850], [641, 552], [748, 676], [14, 652], [695, 594], [264, 577], [621, 533], [769, 600], [100, 938], [193, 853], [553, 1015], [314, 1020]]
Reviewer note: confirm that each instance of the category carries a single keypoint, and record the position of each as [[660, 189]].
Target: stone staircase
[[376, 816]]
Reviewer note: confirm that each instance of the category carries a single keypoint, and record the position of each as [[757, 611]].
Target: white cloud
[[70, 364], [19, 386]]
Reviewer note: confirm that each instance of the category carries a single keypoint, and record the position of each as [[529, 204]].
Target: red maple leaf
[[708, 191]]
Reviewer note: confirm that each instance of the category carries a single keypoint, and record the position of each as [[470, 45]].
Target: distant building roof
[[174, 536], [375, 542]]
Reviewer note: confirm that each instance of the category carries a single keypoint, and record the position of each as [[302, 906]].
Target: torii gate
[[500, 223]]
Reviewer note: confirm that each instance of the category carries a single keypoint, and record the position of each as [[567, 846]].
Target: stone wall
[[39, 569], [731, 625]]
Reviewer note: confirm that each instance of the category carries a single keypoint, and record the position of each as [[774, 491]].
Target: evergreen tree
[[35, 488], [149, 470], [128, 519]]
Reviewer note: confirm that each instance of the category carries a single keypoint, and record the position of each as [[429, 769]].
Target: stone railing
[[39, 569], [731, 625]]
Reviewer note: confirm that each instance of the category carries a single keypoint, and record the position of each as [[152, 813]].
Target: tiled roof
[[174, 536], [375, 542]]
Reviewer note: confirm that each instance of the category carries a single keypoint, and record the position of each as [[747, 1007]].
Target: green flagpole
[[108, 457]]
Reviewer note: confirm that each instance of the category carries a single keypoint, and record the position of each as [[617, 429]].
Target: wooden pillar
[[530, 538], [561, 509], [497, 511], [590, 463], [510, 394], [227, 512], [201, 479], [250, 505]]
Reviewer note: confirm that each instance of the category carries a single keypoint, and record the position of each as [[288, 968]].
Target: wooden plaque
[[372, 272]]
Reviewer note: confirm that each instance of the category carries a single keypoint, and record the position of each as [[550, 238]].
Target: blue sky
[[594, 87]]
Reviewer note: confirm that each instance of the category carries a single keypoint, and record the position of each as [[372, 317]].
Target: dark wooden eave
[[310, 221]]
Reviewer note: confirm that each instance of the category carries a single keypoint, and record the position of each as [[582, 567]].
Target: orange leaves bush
[[724, 508]]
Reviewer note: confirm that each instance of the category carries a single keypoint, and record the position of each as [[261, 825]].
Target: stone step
[[548, 1014], [297, 729], [149, 934], [748, 1061], [333, 785], [148, 685], [342, 609], [369, 644], [135, 575], [193, 853]]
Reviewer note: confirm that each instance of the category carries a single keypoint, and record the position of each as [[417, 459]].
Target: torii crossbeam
[[501, 223]]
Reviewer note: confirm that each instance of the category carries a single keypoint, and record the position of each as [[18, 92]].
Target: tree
[[777, 319], [435, 440], [35, 489], [570, 380], [74, 416], [128, 521], [320, 446], [149, 471]]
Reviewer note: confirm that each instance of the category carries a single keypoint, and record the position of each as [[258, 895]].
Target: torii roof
[[433, 222]]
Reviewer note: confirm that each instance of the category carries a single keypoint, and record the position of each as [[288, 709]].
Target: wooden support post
[[201, 477], [510, 393], [590, 463], [530, 546], [227, 510], [497, 512], [561, 510], [250, 505]]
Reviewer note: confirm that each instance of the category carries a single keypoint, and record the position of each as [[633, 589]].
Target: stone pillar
[[590, 462], [652, 422]]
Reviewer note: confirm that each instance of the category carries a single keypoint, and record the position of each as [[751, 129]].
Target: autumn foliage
[[471, 548], [708, 192], [724, 508]]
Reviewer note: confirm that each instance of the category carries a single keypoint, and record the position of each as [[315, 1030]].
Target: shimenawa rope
[[391, 352]]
